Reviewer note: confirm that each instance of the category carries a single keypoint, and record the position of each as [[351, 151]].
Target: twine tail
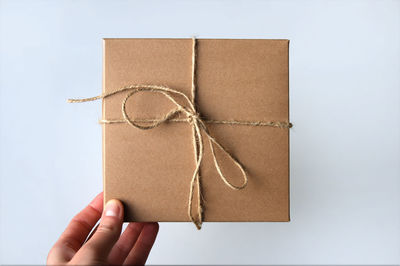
[[85, 99], [199, 149], [197, 180]]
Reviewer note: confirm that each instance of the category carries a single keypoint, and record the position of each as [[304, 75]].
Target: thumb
[[100, 244]]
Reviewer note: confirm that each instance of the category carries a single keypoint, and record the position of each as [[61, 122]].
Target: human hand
[[106, 245]]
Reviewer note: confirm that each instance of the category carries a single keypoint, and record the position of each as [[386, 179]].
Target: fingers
[[76, 232], [125, 243], [105, 244], [138, 255], [100, 244]]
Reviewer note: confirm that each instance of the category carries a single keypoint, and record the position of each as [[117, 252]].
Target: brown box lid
[[237, 79]]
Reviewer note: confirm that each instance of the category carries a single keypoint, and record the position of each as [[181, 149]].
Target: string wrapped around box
[[198, 124]]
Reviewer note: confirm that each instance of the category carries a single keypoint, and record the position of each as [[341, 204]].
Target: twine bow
[[198, 124], [193, 118]]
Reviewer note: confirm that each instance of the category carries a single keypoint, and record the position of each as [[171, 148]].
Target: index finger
[[79, 228]]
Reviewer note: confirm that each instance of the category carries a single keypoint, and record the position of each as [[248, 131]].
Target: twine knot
[[194, 117]]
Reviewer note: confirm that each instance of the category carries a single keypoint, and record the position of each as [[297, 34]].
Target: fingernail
[[112, 208]]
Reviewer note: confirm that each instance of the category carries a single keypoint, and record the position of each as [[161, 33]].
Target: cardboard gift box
[[151, 171]]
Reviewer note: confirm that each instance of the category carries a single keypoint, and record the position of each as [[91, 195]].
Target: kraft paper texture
[[150, 170]]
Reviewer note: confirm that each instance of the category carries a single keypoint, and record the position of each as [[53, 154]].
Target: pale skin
[[106, 246]]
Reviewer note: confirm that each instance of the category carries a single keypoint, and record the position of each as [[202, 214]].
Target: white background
[[344, 103]]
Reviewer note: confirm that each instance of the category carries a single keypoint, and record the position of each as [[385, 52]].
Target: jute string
[[197, 123]]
